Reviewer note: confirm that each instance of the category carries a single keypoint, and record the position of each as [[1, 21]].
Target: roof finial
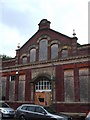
[[18, 45], [74, 34]]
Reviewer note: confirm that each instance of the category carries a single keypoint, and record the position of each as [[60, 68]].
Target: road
[[74, 118]]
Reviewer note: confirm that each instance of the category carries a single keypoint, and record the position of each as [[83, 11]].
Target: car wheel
[[22, 117]]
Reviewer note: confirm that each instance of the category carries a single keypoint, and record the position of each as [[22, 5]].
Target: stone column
[[76, 84], [28, 85], [7, 87], [16, 86], [32, 92], [37, 52], [0, 77], [49, 51], [54, 91]]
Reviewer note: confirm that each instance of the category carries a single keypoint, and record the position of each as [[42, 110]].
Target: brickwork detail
[[48, 70]]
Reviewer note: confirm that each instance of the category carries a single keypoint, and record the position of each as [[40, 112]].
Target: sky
[[19, 20], [89, 21]]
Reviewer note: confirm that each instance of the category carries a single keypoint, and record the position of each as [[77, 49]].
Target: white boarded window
[[69, 85]]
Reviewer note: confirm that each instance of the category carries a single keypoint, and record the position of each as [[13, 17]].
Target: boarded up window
[[64, 53], [21, 88], [84, 81], [3, 88], [12, 88], [32, 55], [69, 85], [43, 50], [54, 51], [24, 60]]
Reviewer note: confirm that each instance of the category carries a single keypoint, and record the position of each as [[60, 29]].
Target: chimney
[[44, 24]]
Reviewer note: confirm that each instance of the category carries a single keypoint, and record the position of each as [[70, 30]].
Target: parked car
[[36, 112], [6, 111], [87, 117]]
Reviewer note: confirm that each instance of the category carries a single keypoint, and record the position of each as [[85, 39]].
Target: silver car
[[36, 112], [6, 111], [87, 116]]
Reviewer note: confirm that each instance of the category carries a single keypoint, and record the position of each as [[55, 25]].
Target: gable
[[46, 41]]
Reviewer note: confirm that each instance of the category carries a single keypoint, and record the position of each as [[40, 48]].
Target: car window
[[39, 110], [49, 110], [24, 108], [4, 105], [31, 108]]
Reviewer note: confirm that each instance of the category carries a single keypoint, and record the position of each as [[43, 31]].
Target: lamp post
[[52, 86], [16, 85], [1, 77], [51, 90]]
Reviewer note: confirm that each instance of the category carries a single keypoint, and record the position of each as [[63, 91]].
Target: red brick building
[[49, 61]]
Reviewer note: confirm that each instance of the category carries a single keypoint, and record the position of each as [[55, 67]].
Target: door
[[43, 92], [43, 98]]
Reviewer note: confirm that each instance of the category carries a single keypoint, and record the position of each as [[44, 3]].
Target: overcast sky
[[19, 20]]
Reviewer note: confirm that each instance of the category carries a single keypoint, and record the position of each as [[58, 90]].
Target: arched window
[[43, 85], [54, 51], [33, 55], [24, 60], [64, 53], [43, 50]]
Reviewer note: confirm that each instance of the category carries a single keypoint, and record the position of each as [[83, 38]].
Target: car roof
[[2, 101], [31, 105]]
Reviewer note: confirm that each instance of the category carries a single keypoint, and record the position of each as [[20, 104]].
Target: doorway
[[43, 92], [43, 98]]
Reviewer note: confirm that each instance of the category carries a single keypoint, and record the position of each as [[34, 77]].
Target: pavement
[[78, 118], [74, 117]]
